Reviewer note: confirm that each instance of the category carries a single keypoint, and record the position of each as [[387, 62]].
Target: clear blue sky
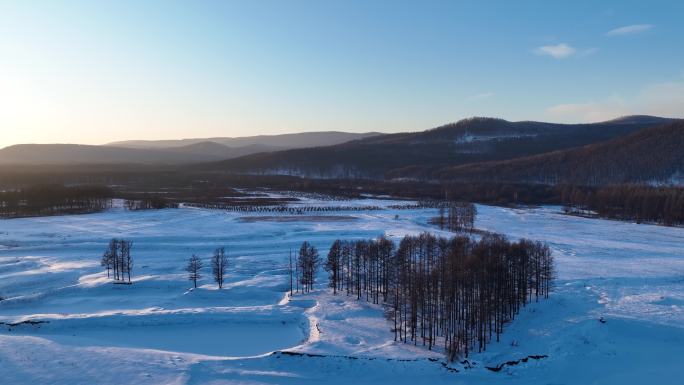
[[98, 71]]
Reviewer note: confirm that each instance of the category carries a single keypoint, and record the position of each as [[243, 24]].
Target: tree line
[[662, 205], [148, 202], [205, 188], [41, 200], [457, 292], [279, 208], [47, 200], [294, 209]]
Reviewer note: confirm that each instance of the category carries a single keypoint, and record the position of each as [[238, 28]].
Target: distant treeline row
[[657, 204], [146, 201], [46, 200], [300, 209], [54, 200], [626, 202], [661, 205], [640, 203]]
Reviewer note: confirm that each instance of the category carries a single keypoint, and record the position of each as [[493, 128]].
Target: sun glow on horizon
[[93, 73]]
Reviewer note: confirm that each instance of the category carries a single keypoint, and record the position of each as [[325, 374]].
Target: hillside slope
[[653, 155]]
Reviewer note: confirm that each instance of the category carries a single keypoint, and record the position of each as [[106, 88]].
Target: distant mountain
[[215, 150], [60, 154], [420, 154], [283, 141], [653, 155], [165, 152]]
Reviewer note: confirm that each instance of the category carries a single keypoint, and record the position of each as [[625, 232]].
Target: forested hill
[[421, 154], [653, 155]]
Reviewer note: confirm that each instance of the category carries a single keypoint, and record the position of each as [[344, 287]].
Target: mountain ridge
[[467, 141], [299, 139]]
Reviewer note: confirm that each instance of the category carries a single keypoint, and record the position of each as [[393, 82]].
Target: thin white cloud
[[629, 30], [662, 99], [556, 51], [481, 96], [592, 111]]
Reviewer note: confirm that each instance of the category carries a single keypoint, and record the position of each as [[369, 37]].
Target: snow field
[[158, 331]]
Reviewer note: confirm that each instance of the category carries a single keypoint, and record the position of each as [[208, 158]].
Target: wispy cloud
[[481, 96], [556, 51], [663, 99], [629, 30], [592, 111]]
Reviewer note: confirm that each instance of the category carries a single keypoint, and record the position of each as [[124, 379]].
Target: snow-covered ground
[[158, 331]]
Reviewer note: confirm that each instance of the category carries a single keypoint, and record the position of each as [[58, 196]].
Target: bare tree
[[126, 259], [291, 272], [193, 268], [107, 261], [308, 263], [113, 254], [332, 264], [219, 265]]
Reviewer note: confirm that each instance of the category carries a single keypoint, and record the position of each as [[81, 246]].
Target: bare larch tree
[[219, 265], [193, 268], [308, 262], [117, 258]]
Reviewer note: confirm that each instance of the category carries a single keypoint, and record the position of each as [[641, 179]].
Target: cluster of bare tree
[[361, 268], [456, 216], [461, 216], [219, 267], [54, 200], [117, 260], [457, 292], [304, 270]]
